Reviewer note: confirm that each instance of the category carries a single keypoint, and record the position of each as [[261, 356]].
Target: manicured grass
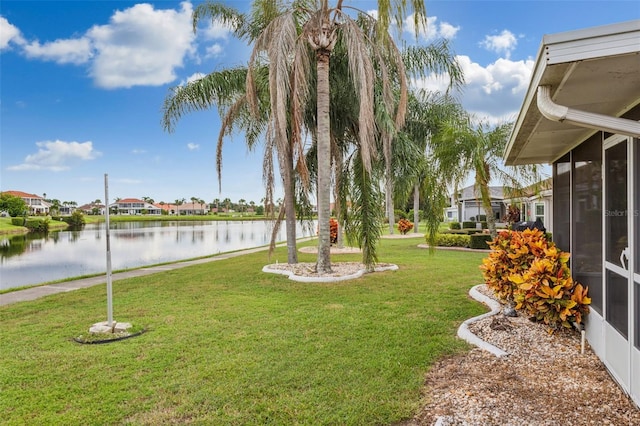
[[229, 344]]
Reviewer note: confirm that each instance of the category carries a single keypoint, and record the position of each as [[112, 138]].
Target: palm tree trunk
[[416, 208], [289, 204], [337, 201], [389, 200], [324, 163]]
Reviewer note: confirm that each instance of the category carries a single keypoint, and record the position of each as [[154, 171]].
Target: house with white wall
[[134, 206], [467, 205], [581, 114], [35, 203]]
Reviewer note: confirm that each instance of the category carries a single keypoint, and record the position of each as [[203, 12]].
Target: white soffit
[[595, 70]]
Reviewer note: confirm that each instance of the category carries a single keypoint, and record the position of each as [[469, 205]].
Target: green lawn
[[229, 344]]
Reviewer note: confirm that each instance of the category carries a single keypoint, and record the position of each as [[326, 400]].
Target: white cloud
[[55, 155], [136, 151], [493, 93], [128, 181], [193, 146], [213, 50], [141, 46], [216, 30], [505, 42], [434, 28], [70, 51], [9, 33]]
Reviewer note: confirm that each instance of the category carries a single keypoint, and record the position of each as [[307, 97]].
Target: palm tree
[[241, 202], [468, 145], [286, 36], [321, 30], [178, 202], [416, 169], [55, 206], [230, 90], [227, 202]]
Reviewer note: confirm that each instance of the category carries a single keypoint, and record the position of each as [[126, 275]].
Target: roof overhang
[[594, 70]]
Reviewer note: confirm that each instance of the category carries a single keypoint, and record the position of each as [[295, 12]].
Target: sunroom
[[580, 114]]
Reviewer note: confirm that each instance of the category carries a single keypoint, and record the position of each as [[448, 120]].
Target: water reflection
[[36, 258]]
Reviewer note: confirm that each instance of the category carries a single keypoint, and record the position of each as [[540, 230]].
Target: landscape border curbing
[[463, 330], [292, 276]]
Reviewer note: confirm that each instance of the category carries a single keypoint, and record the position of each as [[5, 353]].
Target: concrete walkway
[[33, 293]]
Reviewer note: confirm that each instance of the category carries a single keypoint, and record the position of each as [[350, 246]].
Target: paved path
[[33, 293]]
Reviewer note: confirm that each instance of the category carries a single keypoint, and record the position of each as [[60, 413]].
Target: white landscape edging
[[304, 279], [463, 330]]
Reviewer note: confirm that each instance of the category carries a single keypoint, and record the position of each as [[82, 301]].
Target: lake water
[[34, 259]]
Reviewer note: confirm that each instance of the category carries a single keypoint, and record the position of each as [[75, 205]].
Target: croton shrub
[[404, 226], [527, 269], [333, 230]]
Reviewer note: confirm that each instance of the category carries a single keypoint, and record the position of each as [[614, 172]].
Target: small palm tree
[[465, 145]]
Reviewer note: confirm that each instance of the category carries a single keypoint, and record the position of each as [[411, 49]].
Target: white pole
[[109, 292]]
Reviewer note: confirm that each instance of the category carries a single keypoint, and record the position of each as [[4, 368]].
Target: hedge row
[[475, 241]]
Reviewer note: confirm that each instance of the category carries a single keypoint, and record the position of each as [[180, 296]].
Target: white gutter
[[592, 120]]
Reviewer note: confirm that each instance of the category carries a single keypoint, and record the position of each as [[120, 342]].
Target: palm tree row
[[327, 93]]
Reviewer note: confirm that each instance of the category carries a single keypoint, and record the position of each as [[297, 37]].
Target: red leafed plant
[[404, 226], [333, 230], [526, 269]]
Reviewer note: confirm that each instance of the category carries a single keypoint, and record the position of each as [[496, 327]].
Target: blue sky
[[82, 85]]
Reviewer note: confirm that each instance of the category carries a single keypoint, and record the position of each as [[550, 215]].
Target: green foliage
[[452, 240], [14, 206], [468, 224], [37, 224], [18, 221], [484, 225], [399, 214], [531, 271], [454, 225], [479, 241], [467, 231], [76, 218]]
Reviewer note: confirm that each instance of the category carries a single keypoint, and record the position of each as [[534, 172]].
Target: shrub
[[18, 221], [479, 241], [484, 225], [38, 225], [399, 214], [482, 218], [524, 267], [452, 240], [468, 224], [333, 230], [404, 226], [455, 225], [76, 218]]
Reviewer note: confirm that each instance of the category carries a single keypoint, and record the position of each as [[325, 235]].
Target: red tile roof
[[21, 194]]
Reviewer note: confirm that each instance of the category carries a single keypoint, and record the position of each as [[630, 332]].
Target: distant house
[[92, 208], [534, 202], [191, 209], [36, 204], [467, 206], [134, 206]]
